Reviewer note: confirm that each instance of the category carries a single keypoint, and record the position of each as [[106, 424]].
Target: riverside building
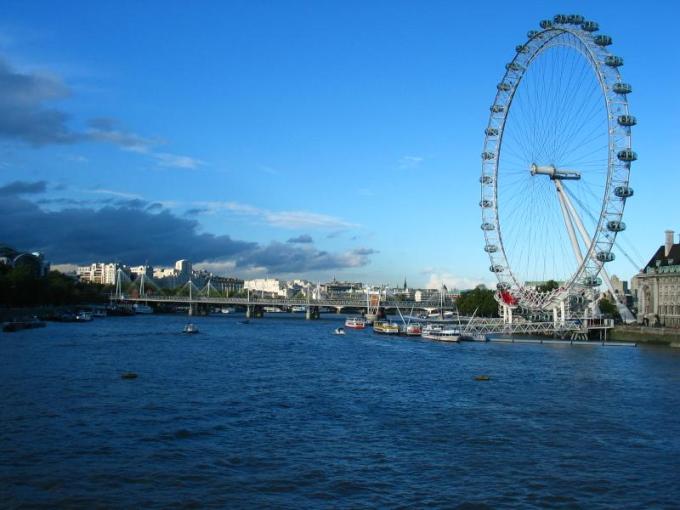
[[657, 286]]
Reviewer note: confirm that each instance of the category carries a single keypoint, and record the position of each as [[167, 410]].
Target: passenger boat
[[386, 327], [83, 316], [12, 326], [411, 329], [355, 323], [272, 309], [298, 308], [441, 333], [190, 329], [140, 308]]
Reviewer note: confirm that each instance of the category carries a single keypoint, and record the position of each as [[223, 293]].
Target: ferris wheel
[[555, 166]]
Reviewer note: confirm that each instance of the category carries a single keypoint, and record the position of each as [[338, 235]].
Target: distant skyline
[[291, 139]]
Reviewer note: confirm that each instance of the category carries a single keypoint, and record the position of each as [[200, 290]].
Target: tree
[[548, 286], [480, 299], [608, 308]]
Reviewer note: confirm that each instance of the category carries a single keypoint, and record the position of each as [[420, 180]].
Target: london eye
[[555, 166]]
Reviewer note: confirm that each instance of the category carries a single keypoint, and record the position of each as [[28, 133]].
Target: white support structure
[[626, 314]]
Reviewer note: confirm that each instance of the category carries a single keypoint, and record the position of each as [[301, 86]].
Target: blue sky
[[248, 129]]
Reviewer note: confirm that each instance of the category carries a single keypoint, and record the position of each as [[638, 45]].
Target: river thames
[[281, 413]]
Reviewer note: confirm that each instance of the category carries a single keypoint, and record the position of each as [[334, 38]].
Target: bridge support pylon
[[254, 312], [312, 313]]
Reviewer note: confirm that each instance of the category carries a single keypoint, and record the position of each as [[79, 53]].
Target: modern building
[[657, 286], [227, 286], [138, 271], [99, 272], [270, 286]]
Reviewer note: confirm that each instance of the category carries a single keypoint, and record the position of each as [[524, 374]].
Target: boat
[[272, 309], [12, 326], [386, 327], [99, 312], [83, 316], [298, 308], [190, 329], [140, 308], [339, 331], [227, 309], [474, 338], [411, 329], [355, 323], [441, 333]]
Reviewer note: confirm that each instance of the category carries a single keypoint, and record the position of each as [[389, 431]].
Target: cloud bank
[[131, 230]]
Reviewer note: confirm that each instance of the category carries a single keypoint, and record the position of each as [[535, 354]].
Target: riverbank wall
[[646, 335]]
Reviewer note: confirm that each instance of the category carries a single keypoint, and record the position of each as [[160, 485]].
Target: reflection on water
[[282, 413]]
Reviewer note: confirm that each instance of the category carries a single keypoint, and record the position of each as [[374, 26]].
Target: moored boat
[[83, 316], [140, 308], [411, 329], [441, 333], [12, 326], [355, 323], [386, 327]]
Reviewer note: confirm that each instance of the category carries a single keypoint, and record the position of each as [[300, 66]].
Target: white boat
[[339, 331], [190, 329], [272, 309], [227, 309], [441, 333], [298, 308], [355, 323], [83, 317], [140, 308], [386, 327]]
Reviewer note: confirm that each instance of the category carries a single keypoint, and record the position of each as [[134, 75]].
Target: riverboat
[[441, 333], [190, 329], [411, 329], [386, 327], [83, 316], [12, 326], [142, 309], [355, 323]]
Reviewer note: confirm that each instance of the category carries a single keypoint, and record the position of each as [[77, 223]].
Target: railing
[[257, 301]]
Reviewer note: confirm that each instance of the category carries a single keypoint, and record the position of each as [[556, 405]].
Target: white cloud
[[281, 219], [436, 279], [114, 193], [410, 162], [173, 160]]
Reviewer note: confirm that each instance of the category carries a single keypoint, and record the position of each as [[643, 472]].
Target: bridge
[[255, 306]]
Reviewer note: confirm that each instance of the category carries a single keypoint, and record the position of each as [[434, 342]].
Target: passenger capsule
[[590, 26], [521, 48], [496, 268], [561, 19], [486, 203], [488, 226], [623, 191], [605, 256], [622, 88], [603, 40], [575, 19], [503, 286], [627, 155], [491, 248], [513, 66], [486, 179], [532, 33], [626, 120], [491, 132], [592, 281], [545, 24], [504, 86], [613, 61], [488, 155], [497, 108], [616, 226]]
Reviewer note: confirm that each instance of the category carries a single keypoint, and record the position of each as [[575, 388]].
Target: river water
[[281, 413]]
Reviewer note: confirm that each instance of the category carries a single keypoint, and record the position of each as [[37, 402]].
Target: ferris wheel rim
[[602, 239]]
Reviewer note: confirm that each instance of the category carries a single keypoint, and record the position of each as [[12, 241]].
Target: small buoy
[[482, 378], [128, 375]]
